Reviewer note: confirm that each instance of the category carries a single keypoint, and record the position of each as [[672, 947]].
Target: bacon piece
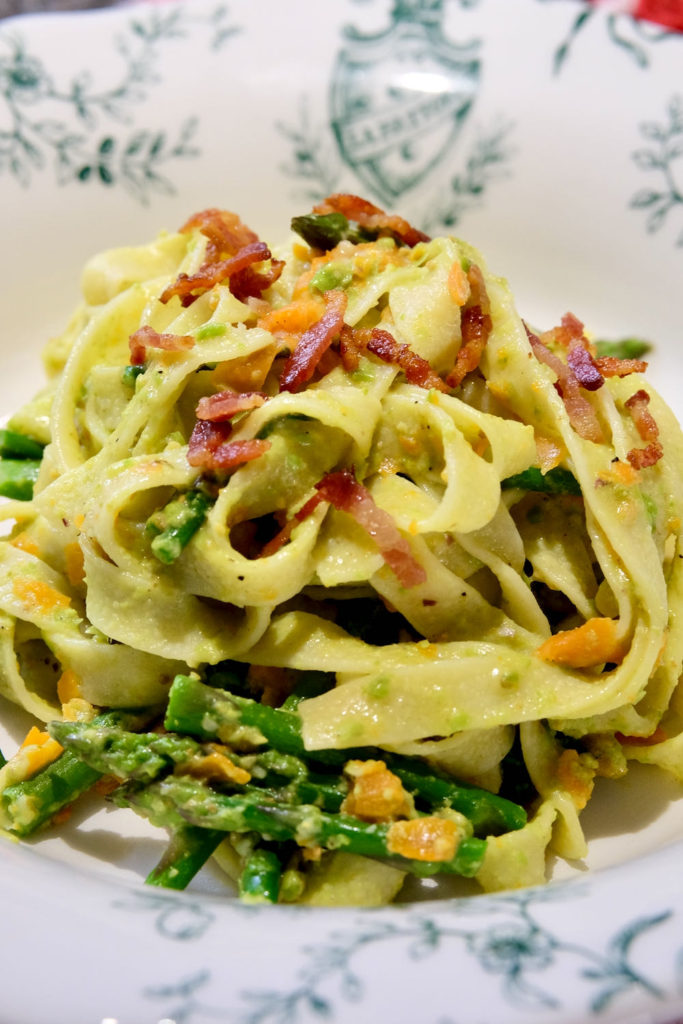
[[313, 343], [343, 491], [210, 449], [189, 287], [146, 337], [226, 404], [235, 453], [225, 232], [646, 425], [582, 363], [283, 535], [383, 345], [645, 422], [350, 348], [610, 366], [250, 283], [227, 237], [642, 458], [417, 370], [205, 438], [570, 330], [475, 326], [581, 413], [370, 216], [570, 335]]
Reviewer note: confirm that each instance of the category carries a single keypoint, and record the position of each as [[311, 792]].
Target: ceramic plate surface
[[550, 136]]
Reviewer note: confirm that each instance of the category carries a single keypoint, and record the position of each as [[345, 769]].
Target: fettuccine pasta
[[351, 456]]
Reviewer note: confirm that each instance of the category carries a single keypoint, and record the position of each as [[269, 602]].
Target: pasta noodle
[[384, 510]]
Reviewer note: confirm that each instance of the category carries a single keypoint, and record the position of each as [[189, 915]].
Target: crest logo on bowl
[[400, 97]]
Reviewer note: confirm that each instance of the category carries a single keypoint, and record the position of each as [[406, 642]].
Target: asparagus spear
[[25, 806], [326, 230], [129, 755], [303, 823], [625, 348], [131, 373], [555, 481], [17, 477], [188, 850], [260, 878], [202, 711], [173, 526], [14, 445], [143, 757]]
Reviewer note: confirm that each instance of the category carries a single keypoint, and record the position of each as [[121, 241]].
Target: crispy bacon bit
[[190, 287], [343, 491], [417, 370], [250, 283], [581, 413], [586, 372], [225, 232], [234, 453], [313, 343], [570, 335], [570, 330], [642, 458], [646, 425], [475, 326], [227, 404], [349, 348], [645, 422], [283, 536], [610, 366], [208, 436], [146, 337], [227, 238], [370, 216], [383, 345], [209, 447], [205, 439], [230, 454]]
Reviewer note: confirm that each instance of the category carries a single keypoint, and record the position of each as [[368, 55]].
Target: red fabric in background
[[666, 12]]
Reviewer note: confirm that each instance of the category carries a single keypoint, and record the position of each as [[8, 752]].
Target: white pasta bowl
[[550, 136]]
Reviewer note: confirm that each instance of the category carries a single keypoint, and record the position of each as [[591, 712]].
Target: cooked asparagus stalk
[[208, 713], [173, 526], [25, 806], [306, 824]]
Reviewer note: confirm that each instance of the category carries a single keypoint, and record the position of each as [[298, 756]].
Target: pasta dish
[[326, 561]]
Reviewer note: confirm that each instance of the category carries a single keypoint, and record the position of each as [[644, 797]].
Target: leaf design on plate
[[75, 126]]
